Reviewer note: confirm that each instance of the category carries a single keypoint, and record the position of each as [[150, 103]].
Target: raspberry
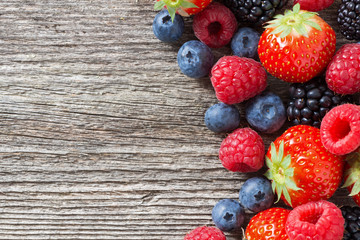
[[242, 151], [205, 233], [236, 79], [340, 129], [314, 6], [321, 220], [215, 25], [343, 72]]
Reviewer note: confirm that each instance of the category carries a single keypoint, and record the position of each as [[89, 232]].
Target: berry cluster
[[352, 222], [307, 162], [310, 101]]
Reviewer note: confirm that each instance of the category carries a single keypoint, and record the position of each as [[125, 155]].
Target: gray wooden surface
[[101, 136]]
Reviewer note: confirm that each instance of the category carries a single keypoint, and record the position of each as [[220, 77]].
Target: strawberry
[[296, 46], [300, 168], [268, 224], [183, 7], [352, 175], [314, 6]]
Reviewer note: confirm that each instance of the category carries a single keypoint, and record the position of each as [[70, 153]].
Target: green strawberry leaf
[[279, 29], [273, 186], [308, 15], [293, 20], [287, 195], [301, 29], [286, 32], [281, 152], [352, 174], [186, 4], [286, 162], [159, 5], [351, 178], [268, 162], [273, 152], [280, 172], [172, 12], [291, 184], [356, 189], [289, 172], [278, 189], [313, 24], [296, 8], [276, 17]]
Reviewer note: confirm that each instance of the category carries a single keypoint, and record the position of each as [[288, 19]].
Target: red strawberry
[[352, 175], [300, 168], [297, 46], [183, 7], [315, 6], [268, 224]]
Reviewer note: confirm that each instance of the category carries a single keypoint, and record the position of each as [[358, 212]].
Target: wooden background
[[101, 136]]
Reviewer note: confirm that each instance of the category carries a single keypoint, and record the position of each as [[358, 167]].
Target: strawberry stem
[[173, 6], [352, 174], [280, 173], [294, 20], [173, 3]]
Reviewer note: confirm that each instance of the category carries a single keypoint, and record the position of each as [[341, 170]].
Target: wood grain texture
[[101, 136]]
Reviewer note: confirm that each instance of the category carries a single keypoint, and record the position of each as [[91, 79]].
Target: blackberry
[[310, 101], [254, 11], [349, 19], [352, 222]]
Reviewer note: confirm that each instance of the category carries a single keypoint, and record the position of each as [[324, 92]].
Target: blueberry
[[245, 42], [256, 194], [166, 30], [266, 112], [228, 215], [195, 59], [221, 117]]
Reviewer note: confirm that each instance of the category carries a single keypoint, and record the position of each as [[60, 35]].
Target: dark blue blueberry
[[195, 59], [166, 30], [228, 215], [221, 117], [245, 42], [266, 112], [256, 194]]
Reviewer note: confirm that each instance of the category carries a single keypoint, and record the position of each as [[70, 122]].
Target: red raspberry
[[340, 129], [321, 220], [236, 79], [242, 151], [343, 72], [314, 6], [215, 25], [205, 233]]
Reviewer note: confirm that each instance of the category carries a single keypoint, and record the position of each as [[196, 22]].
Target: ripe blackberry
[[352, 222], [254, 11], [310, 101], [349, 19]]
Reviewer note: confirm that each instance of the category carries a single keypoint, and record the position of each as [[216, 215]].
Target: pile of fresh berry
[[311, 159]]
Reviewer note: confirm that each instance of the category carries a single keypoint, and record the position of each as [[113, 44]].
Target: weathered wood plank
[[101, 135]]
